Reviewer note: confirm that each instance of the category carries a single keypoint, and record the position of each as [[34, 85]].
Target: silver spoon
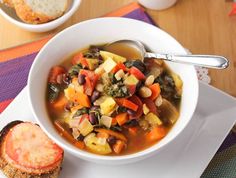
[[210, 61]]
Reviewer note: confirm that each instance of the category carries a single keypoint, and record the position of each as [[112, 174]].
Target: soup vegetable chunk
[[108, 104]]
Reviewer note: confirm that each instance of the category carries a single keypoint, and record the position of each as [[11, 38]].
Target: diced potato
[[109, 64], [97, 145], [105, 55], [85, 127], [100, 100], [108, 105], [69, 93], [178, 82], [92, 63], [131, 80], [106, 120], [145, 109], [153, 119]]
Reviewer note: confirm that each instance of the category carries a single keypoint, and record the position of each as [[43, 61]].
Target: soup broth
[[106, 101]]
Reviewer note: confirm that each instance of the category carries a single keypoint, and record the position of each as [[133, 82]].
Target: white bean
[[158, 101], [99, 87], [145, 92], [149, 81]]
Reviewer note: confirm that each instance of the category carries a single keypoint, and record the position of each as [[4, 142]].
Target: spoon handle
[[210, 61]]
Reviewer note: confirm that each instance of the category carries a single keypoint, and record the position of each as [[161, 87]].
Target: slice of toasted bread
[[8, 3], [26, 152], [40, 11]]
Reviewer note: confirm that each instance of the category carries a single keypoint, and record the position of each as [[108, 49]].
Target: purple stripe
[[139, 14], [13, 76], [228, 142]]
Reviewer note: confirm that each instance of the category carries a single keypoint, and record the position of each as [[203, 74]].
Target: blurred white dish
[[157, 4], [11, 16]]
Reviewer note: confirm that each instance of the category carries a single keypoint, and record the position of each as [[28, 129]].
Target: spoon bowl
[[209, 61]]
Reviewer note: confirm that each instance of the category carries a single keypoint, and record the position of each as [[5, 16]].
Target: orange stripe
[[29, 48], [4, 104], [124, 10]]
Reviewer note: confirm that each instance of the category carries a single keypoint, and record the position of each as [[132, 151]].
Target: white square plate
[[187, 156]]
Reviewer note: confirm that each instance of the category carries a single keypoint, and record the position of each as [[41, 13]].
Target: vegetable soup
[[111, 104]]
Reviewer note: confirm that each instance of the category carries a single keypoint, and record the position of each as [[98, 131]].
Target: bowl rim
[[91, 156], [74, 6]]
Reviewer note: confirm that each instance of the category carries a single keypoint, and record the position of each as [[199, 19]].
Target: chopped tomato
[[118, 67], [132, 89], [139, 111], [84, 116], [137, 73], [79, 59], [150, 104], [90, 81], [54, 72]]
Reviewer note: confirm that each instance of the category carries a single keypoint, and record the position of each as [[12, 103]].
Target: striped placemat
[[15, 64]]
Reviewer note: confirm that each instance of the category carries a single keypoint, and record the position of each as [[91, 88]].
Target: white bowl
[[11, 16], [104, 30]]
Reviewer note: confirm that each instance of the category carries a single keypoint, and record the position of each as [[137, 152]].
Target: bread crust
[[11, 171], [9, 3], [26, 14]]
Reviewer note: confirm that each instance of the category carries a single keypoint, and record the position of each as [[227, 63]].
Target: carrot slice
[[63, 132], [59, 103], [75, 108], [156, 90], [79, 144], [118, 146], [156, 133], [127, 103], [102, 135], [69, 137], [82, 99], [121, 118], [112, 133]]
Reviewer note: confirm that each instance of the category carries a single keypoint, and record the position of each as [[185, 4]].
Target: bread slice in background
[[39, 11]]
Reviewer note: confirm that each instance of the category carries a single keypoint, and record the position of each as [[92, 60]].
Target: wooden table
[[203, 26]]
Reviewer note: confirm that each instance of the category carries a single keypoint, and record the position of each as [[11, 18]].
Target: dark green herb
[[136, 63], [53, 91], [112, 78], [74, 70], [81, 112], [168, 89], [116, 90], [93, 52], [116, 128], [121, 109]]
